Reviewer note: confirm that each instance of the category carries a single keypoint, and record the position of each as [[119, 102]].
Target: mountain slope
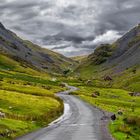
[[32, 55], [27, 86], [79, 58], [127, 50], [120, 61], [103, 75], [120, 55]]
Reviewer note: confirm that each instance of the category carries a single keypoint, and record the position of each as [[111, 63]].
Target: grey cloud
[[59, 24], [75, 38], [61, 47]]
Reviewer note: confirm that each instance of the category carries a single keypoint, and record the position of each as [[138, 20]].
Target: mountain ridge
[[35, 56], [120, 61], [122, 54]]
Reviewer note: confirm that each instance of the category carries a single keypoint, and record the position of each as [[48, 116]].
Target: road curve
[[80, 121]]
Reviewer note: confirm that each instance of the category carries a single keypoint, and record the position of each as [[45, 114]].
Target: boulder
[[134, 94], [88, 82], [108, 78], [113, 117]]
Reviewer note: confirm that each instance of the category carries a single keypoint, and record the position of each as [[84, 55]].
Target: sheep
[[120, 112], [94, 95], [2, 115], [89, 82]]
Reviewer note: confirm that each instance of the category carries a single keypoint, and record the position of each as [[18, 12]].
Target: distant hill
[[32, 55], [79, 58]]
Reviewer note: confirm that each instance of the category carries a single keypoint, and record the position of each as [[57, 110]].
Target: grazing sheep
[[94, 95], [88, 82], [2, 115], [10, 107], [97, 93], [120, 112]]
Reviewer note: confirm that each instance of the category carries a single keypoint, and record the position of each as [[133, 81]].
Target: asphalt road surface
[[80, 121]]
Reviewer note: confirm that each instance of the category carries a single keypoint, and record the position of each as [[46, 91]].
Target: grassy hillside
[[30, 76], [127, 79], [26, 98], [54, 62], [79, 58], [28, 82], [28, 102], [113, 71], [127, 125], [26, 90], [120, 61], [32, 55]]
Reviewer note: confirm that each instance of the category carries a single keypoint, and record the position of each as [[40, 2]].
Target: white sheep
[[2, 115]]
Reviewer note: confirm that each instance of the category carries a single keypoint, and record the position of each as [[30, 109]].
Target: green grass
[[24, 104], [28, 101], [27, 97], [15, 127], [113, 96], [29, 87], [113, 100], [129, 79], [25, 108], [8, 64]]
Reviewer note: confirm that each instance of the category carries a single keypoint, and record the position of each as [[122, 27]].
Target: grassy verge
[[10, 128]]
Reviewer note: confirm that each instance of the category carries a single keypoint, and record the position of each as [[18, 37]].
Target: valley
[[28, 102], [107, 79]]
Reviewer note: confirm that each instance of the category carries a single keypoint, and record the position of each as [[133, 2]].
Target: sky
[[70, 27]]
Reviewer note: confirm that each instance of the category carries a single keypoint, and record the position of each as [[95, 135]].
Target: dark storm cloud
[[60, 47], [70, 27], [70, 37]]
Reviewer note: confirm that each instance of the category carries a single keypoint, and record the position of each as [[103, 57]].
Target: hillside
[[32, 55], [79, 58], [28, 83], [127, 50], [29, 80], [109, 79], [120, 60]]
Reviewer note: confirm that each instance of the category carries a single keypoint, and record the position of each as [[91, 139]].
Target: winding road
[[80, 121]]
